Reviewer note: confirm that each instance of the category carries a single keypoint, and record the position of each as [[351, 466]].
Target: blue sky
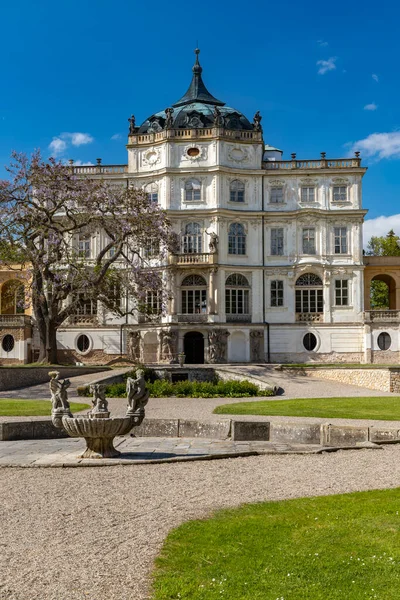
[[84, 67]]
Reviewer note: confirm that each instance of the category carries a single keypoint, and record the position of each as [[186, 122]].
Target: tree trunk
[[51, 343]]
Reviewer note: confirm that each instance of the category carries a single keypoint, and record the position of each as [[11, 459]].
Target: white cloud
[[80, 163], [116, 136], [63, 141], [322, 43], [57, 146], [375, 77], [378, 146], [326, 65], [381, 226], [371, 106]]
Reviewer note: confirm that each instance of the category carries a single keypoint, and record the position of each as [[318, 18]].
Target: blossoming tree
[[80, 238]]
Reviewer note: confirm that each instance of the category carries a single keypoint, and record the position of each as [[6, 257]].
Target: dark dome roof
[[196, 110]]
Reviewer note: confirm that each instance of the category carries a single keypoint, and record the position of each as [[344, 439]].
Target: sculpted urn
[[97, 427]]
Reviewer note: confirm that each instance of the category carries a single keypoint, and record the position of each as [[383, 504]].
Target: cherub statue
[[59, 394], [137, 393], [99, 402]]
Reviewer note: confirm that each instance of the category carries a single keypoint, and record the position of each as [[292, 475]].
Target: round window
[[309, 342], [83, 343], [8, 343], [384, 341], [193, 152]]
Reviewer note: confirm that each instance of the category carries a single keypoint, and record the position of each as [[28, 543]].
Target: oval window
[[193, 152], [8, 343], [384, 341], [83, 343], [309, 342]]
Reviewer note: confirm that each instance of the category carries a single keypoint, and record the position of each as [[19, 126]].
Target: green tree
[[387, 245]]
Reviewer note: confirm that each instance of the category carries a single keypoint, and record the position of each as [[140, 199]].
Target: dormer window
[[193, 190], [340, 193], [236, 191]]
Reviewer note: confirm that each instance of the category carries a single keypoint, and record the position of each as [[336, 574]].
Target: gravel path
[[93, 533]]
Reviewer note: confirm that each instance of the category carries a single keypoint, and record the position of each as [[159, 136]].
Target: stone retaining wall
[[20, 377], [381, 379]]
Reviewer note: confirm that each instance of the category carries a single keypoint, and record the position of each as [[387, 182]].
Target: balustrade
[[382, 315], [310, 317], [15, 320], [192, 258], [242, 318], [193, 318], [337, 163]]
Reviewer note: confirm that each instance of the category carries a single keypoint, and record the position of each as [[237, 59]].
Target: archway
[[383, 292], [193, 347]]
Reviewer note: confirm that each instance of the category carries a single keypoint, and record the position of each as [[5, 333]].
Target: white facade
[[269, 222]]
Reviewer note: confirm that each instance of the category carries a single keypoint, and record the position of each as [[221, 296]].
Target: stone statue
[[134, 340], [218, 118], [256, 346], [213, 245], [99, 402], [131, 121], [257, 121], [137, 394], [168, 118], [217, 345], [59, 394]]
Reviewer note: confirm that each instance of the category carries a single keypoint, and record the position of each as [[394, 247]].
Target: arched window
[[236, 191], [192, 239], [237, 293], [309, 294], [151, 190], [384, 341], [194, 297], [236, 239], [192, 190]]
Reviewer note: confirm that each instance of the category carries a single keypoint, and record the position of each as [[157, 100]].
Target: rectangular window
[[340, 242], [309, 301], [340, 193], [237, 302], [309, 240], [276, 195], [308, 194], [86, 306], [84, 247], [152, 248], [194, 302], [153, 303], [277, 242], [341, 292], [277, 293]]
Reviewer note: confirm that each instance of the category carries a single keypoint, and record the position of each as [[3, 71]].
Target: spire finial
[[196, 67]]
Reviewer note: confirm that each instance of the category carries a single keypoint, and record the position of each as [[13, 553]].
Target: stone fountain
[[97, 427]]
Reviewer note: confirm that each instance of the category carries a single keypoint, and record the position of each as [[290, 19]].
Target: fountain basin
[[98, 433]]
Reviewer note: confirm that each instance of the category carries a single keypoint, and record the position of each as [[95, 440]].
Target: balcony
[[310, 317], [15, 320], [100, 169], [187, 134], [193, 318], [198, 258], [384, 316], [238, 318], [83, 320]]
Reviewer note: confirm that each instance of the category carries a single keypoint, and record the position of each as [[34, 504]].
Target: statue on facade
[[217, 345], [99, 402], [134, 340], [137, 393], [218, 118], [213, 245], [256, 346], [59, 394], [131, 121], [168, 118], [257, 121], [167, 345]]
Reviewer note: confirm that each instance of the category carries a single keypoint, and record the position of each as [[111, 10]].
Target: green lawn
[[384, 408], [331, 548], [31, 408]]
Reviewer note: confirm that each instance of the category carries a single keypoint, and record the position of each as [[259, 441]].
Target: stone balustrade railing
[[100, 169], [336, 163], [15, 320], [192, 258], [238, 318], [193, 318], [382, 315], [207, 132]]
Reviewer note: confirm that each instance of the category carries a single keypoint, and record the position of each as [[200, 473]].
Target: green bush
[[150, 374]]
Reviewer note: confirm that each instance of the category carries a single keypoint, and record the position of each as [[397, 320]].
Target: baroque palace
[[270, 266]]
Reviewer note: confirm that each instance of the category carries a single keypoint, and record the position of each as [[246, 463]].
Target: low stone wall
[[12, 378], [316, 357], [381, 379], [94, 357]]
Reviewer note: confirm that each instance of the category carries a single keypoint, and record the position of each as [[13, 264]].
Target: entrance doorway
[[193, 347]]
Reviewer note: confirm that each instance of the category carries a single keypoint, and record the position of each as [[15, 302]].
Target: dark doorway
[[193, 347]]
